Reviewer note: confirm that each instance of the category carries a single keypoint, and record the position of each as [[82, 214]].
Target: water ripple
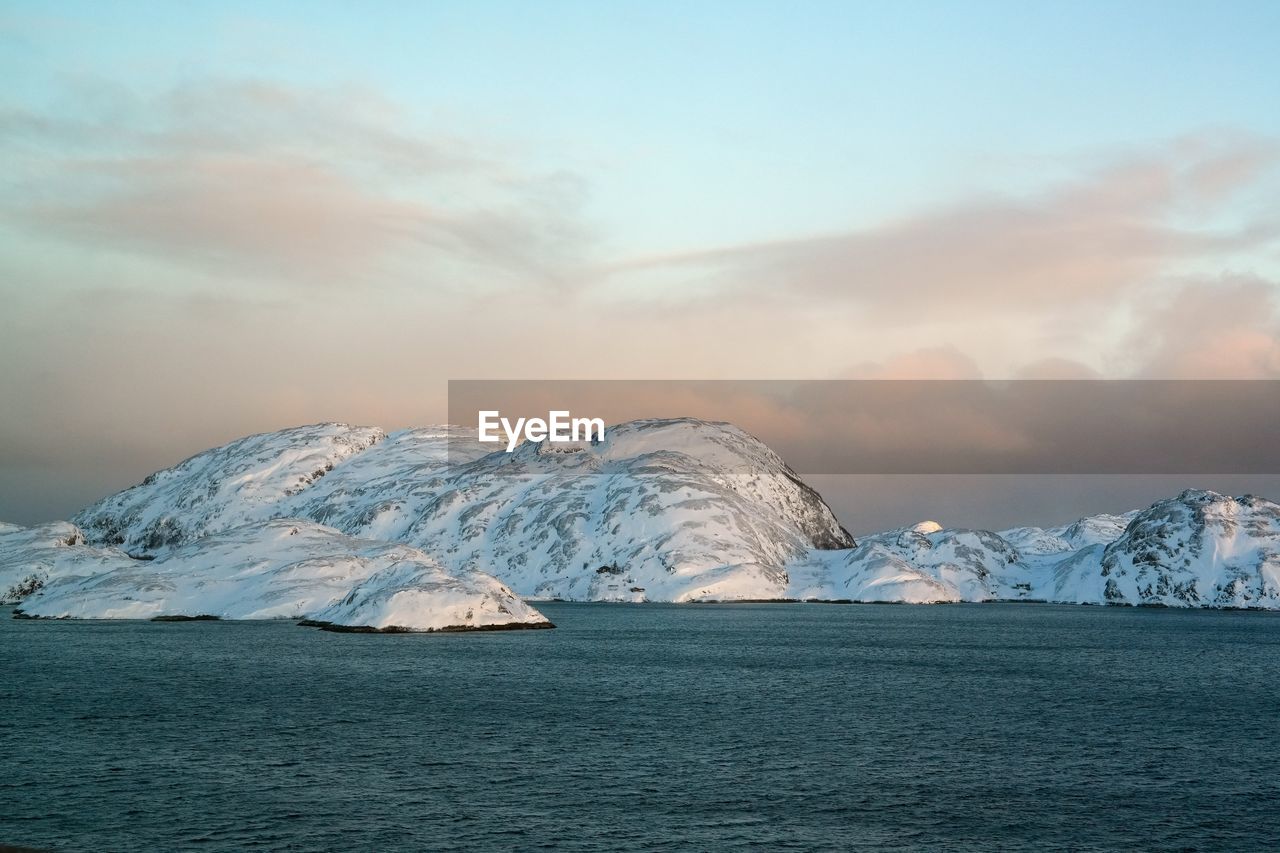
[[752, 727]]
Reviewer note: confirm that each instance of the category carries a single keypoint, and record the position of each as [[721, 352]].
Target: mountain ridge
[[665, 510]]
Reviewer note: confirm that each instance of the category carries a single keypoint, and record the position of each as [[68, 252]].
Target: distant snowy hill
[[922, 564], [660, 510], [1200, 549], [1091, 530], [286, 569]]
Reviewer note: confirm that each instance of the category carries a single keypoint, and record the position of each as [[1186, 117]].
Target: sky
[[222, 218]]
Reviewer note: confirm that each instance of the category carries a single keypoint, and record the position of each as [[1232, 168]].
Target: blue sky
[[752, 120], [282, 213]]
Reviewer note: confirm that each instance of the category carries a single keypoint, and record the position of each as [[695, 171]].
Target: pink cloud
[[1082, 242], [271, 182], [1228, 327]]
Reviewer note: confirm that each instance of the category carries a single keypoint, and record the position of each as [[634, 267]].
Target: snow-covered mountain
[[250, 479], [285, 569], [1200, 549], [660, 510], [1091, 530], [666, 510]]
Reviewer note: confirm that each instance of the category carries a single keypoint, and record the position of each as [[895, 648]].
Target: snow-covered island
[[278, 569], [422, 530]]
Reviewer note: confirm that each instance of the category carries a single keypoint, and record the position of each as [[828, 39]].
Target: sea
[[651, 727]]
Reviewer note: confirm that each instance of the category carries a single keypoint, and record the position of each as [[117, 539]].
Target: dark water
[[654, 727]]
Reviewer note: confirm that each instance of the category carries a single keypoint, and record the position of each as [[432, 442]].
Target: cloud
[[217, 185], [948, 362], [1223, 327], [1056, 368], [278, 182], [926, 363], [1086, 241]]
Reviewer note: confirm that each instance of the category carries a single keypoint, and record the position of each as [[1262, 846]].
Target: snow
[[250, 479], [692, 509], [418, 595], [871, 571], [403, 529], [289, 569], [31, 556], [1199, 549]]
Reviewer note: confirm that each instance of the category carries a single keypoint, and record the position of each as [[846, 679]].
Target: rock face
[[687, 509], [288, 569]]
